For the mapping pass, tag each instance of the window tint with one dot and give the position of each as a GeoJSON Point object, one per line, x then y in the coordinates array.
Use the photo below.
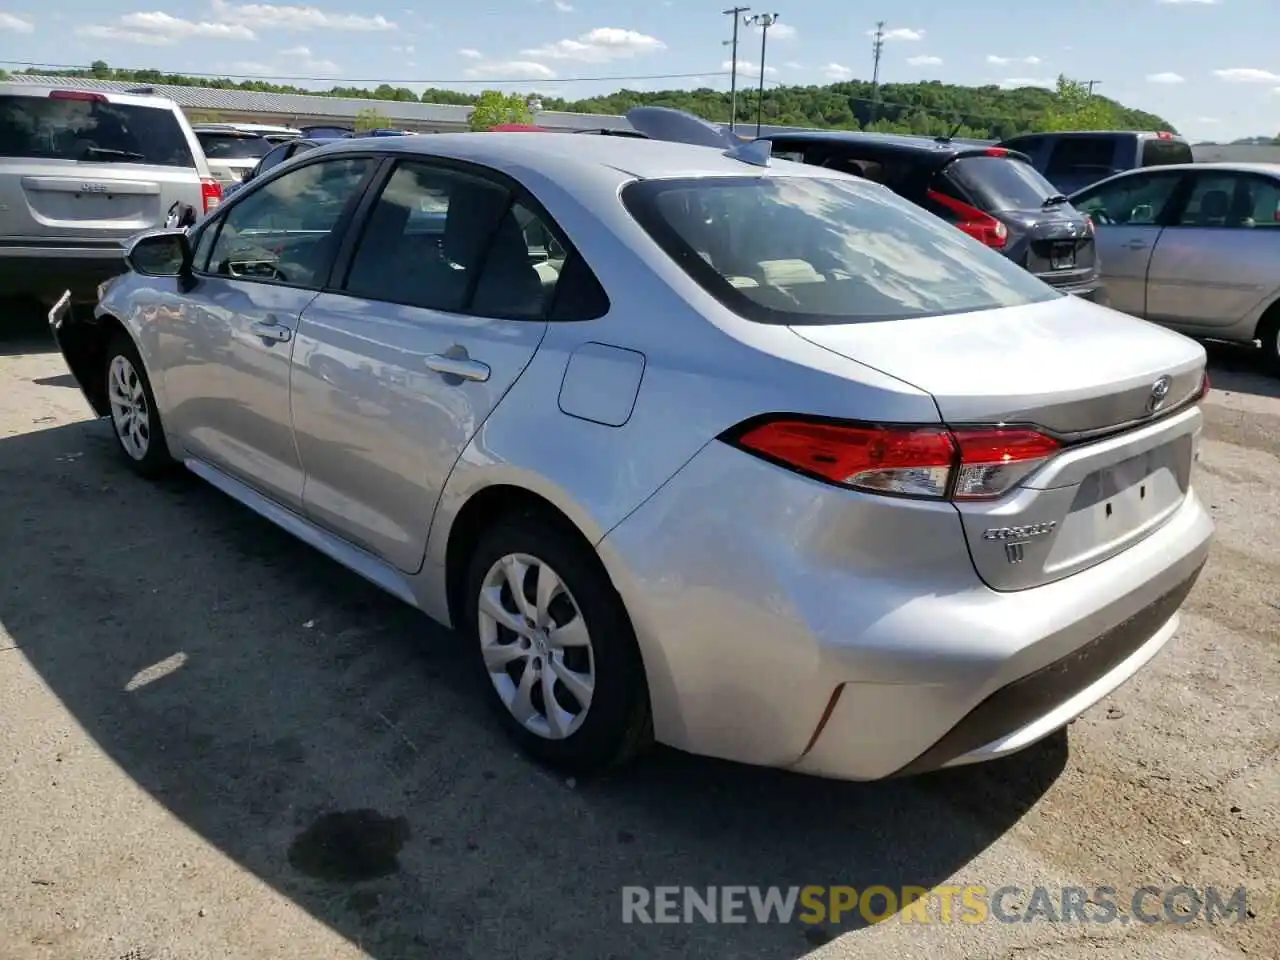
{"type": "Point", "coordinates": [1231, 200]}
{"type": "Point", "coordinates": [1157, 152]}
{"type": "Point", "coordinates": [203, 247]}
{"type": "Point", "coordinates": [233, 146]}
{"type": "Point", "coordinates": [1028, 145]}
{"type": "Point", "coordinates": [999, 183]}
{"type": "Point", "coordinates": [799, 250]}
{"type": "Point", "coordinates": [91, 130]}
{"type": "Point", "coordinates": [1137, 200]}
{"type": "Point", "coordinates": [286, 231]}
{"type": "Point", "coordinates": [276, 157]}
{"type": "Point", "coordinates": [1092, 155]}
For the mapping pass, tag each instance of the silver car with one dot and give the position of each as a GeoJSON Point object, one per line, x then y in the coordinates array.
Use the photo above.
{"type": "Point", "coordinates": [1194, 247]}
{"type": "Point", "coordinates": [750, 457]}
{"type": "Point", "coordinates": [82, 171]}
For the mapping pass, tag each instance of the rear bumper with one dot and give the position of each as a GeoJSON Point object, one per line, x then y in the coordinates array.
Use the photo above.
{"type": "Point", "coordinates": [788, 625]}
{"type": "Point", "coordinates": [44, 271]}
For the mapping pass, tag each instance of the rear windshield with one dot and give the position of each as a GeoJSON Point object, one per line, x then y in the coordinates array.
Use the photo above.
{"type": "Point", "coordinates": [808, 250]}
{"type": "Point", "coordinates": [1159, 153]}
{"type": "Point", "coordinates": [91, 130]}
{"type": "Point", "coordinates": [1001, 183]}
{"type": "Point", "coordinates": [233, 146]}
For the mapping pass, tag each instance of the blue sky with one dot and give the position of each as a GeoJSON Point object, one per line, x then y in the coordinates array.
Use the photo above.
{"type": "Point", "coordinates": [1209, 66]}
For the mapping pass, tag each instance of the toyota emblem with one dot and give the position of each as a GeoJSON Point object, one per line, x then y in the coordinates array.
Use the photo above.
{"type": "Point", "coordinates": [1159, 393]}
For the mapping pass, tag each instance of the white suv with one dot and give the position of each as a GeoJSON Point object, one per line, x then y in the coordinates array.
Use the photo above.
{"type": "Point", "coordinates": [234, 149]}
{"type": "Point", "coordinates": [82, 171]}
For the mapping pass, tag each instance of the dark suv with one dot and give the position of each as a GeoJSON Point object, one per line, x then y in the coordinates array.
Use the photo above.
{"type": "Point", "coordinates": [991, 193]}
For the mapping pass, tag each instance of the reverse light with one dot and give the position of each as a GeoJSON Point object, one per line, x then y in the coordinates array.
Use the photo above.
{"type": "Point", "coordinates": [924, 462]}
{"type": "Point", "coordinates": [976, 223]}
{"type": "Point", "coordinates": [210, 193]}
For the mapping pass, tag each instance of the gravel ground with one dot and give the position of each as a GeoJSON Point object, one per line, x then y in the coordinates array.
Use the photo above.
{"type": "Point", "coordinates": [216, 744]}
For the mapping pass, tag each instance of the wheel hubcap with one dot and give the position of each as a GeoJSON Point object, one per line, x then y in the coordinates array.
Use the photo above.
{"type": "Point", "coordinates": [129, 411]}
{"type": "Point", "coordinates": [536, 646]}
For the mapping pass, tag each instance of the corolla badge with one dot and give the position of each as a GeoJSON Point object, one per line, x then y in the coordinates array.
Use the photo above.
{"type": "Point", "coordinates": [1159, 393]}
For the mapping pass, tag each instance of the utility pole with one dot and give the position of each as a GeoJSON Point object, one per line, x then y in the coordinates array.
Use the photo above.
{"type": "Point", "coordinates": [733, 66]}
{"type": "Point", "coordinates": [1091, 84]}
{"type": "Point", "coordinates": [764, 21]}
{"type": "Point", "coordinates": [877, 48]}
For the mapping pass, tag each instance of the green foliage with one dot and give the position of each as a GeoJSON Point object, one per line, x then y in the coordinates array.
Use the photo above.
{"type": "Point", "coordinates": [932, 108]}
{"type": "Point", "coordinates": [371, 118]}
{"type": "Point", "coordinates": [493, 107]}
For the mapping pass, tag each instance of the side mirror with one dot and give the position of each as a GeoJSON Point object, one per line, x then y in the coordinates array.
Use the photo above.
{"type": "Point", "coordinates": [160, 253]}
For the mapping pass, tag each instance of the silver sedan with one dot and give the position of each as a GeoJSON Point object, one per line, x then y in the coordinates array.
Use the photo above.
{"type": "Point", "coordinates": [749, 457]}
{"type": "Point", "coordinates": [1194, 247]}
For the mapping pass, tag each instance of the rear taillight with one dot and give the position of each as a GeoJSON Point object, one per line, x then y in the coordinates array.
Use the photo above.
{"type": "Point", "coordinates": [976, 223]}
{"type": "Point", "coordinates": [210, 193]}
{"type": "Point", "coordinates": [77, 95]}
{"type": "Point", "coordinates": [916, 461]}
{"type": "Point", "coordinates": [1204, 387]}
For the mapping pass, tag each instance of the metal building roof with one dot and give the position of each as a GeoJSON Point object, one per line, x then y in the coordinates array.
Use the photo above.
{"type": "Point", "coordinates": [303, 105]}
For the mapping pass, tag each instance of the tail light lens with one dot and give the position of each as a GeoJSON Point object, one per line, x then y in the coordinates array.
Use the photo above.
{"type": "Point", "coordinates": [976, 223]}
{"type": "Point", "coordinates": [210, 193]}
{"type": "Point", "coordinates": [926, 462]}
{"type": "Point", "coordinates": [85, 95]}
{"type": "Point", "coordinates": [1204, 387]}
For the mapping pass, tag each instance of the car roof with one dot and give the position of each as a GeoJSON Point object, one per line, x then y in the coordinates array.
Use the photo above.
{"type": "Point", "coordinates": [933, 146]}
{"type": "Point", "coordinates": [1163, 135]}
{"type": "Point", "coordinates": [553, 154]}
{"type": "Point", "coordinates": [111, 96]}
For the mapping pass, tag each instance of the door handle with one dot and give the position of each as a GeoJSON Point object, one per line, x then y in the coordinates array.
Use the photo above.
{"type": "Point", "coordinates": [272, 330]}
{"type": "Point", "coordinates": [460, 367]}
{"type": "Point", "coordinates": [1137, 245]}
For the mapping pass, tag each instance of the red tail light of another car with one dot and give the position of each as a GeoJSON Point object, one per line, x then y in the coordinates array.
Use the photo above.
{"type": "Point", "coordinates": [210, 193]}
{"type": "Point", "coordinates": [976, 223]}
{"type": "Point", "coordinates": [928, 462]}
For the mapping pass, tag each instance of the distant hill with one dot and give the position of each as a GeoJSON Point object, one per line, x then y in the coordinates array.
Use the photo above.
{"type": "Point", "coordinates": [931, 108]}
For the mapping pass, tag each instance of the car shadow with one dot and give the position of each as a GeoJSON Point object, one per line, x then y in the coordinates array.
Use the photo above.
{"type": "Point", "coordinates": [1237, 368]}
{"type": "Point", "coordinates": [337, 745]}
{"type": "Point", "coordinates": [25, 330]}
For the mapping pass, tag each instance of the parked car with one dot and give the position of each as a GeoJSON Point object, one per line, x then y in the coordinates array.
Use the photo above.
{"type": "Point", "coordinates": [992, 194]}
{"type": "Point", "coordinates": [81, 172]}
{"type": "Point", "coordinates": [278, 155]}
{"type": "Point", "coordinates": [1194, 247]}
{"type": "Point", "coordinates": [231, 151]}
{"type": "Point", "coordinates": [1073, 160]}
{"type": "Point", "coordinates": [326, 131]}
{"type": "Point", "coordinates": [750, 456]}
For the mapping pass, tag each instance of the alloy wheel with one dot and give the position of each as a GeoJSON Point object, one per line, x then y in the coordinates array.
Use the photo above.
{"type": "Point", "coordinates": [536, 646]}
{"type": "Point", "coordinates": [130, 413]}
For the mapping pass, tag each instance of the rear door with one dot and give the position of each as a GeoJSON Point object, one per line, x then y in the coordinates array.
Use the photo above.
{"type": "Point", "coordinates": [1216, 262]}
{"type": "Point", "coordinates": [1128, 214]}
{"type": "Point", "coordinates": [77, 167]}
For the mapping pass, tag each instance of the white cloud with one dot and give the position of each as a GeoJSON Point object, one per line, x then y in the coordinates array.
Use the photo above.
{"type": "Point", "coordinates": [836, 71]}
{"type": "Point", "coordinates": [900, 33]}
{"type": "Point", "coordinates": [16, 24]}
{"type": "Point", "coordinates": [779, 31]}
{"type": "Point", "coordinates": [564, 7]}
{"type": "Point", "coordinates": [1166, 76]}
{"type": "Point", "coordinates": [599, 46]}
{"type": "Point", "coordinates": [1015, 82]}
{"type": "Point", "coordinates": [266, 16]}
{"type": "Point", "coordinates": [288, 63]}
{"type": "Point", "coordinates": [158, 29]}
{"type": "Point", "coordinates": [1247, 75]}
{"type": "Point", "coordinates": [793, 65]}
{"type": "Point", "coordinates": [510, 70]}
{"type": "Point", "coordinates": [746, 66]}
{"type": "Point", "coordinates": [1203, 3]}
{"type": "Point", "coordinates": [925, 61]}
{"type": "Point", "coordinates": [1005, 61]}
{"type": "Point", "coordinates": [470, 54]}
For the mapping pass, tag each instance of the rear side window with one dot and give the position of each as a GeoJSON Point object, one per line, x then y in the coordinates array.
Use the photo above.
{"type": "Point", "coordinates": [1001, 183]}
{"type": "Point", "coordinates": [1160, 152]}
{"type": "Point", "coordinates": [802, 250]}
{"type": "Point", "coordinates": [91, 130]}
{"type": "Point", "coordinates": [1084, 155]}
{"type": "Point", "coordinates": [230, 146]}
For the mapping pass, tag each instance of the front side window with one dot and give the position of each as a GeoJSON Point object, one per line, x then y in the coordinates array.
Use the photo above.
{"type": "Point", "coordinates": [89, 129]}
{"type": "Point", "coordinates": [287, 230]}
{"type": "Point", "coordinates": [1137, 201]}
{"type": "Point", "coordinates": [801, 250]}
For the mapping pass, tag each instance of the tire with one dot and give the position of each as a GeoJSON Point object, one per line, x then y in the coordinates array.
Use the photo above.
{"type": "Point", "coordinates": [616, 724]}
{"type": "Point", "coordinates": [135, 421]}
{"type": "Point", "coordinates": [1269, 334]}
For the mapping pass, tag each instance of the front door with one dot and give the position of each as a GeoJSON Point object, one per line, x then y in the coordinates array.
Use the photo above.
{"type": "Point", "coordinates": [1128, 214]}
{"type": "Point", "coordinates": [442, 308]}
{"type": "Point", "coordinates": [227, 356]}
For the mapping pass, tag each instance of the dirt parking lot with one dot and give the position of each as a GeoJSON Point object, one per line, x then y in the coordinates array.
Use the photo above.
{"type": "Point", "coordinates": [216, 744]}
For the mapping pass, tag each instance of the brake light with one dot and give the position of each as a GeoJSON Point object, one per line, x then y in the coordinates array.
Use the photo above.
{"type": "Point", "coordinates": [1204, 387]}
{"type": "Point", "coordinates": [997, 152]}
{"type": "Point", "coordinates": [1164, 135]}
{"type": "Point", "coordinates": [210, 193]}
{"type": "Point", "coordinates": [1088, 225]}
{"type": "Point", "coordinates": [976, 223]}
{"type": "Point", "coordinates": [77, 95]}
{"type": "Point", "coordinates": [925, 462]}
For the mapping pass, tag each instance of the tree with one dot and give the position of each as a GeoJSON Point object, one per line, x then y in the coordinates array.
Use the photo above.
{"type": "Point", "coordinates": [100, 70]}
{"type": "Point", "coordinates": [1076, 108]}
{"type": "Point", "coordinates": [494, 108]}
{"type": "Point", "coordinates": [371, 118]}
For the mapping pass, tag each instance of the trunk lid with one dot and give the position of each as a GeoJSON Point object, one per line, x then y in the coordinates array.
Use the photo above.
{"type": "Point", "coordinates": [1078, 371]}
{"type": "Point", "coordinates": [1060, 247]}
